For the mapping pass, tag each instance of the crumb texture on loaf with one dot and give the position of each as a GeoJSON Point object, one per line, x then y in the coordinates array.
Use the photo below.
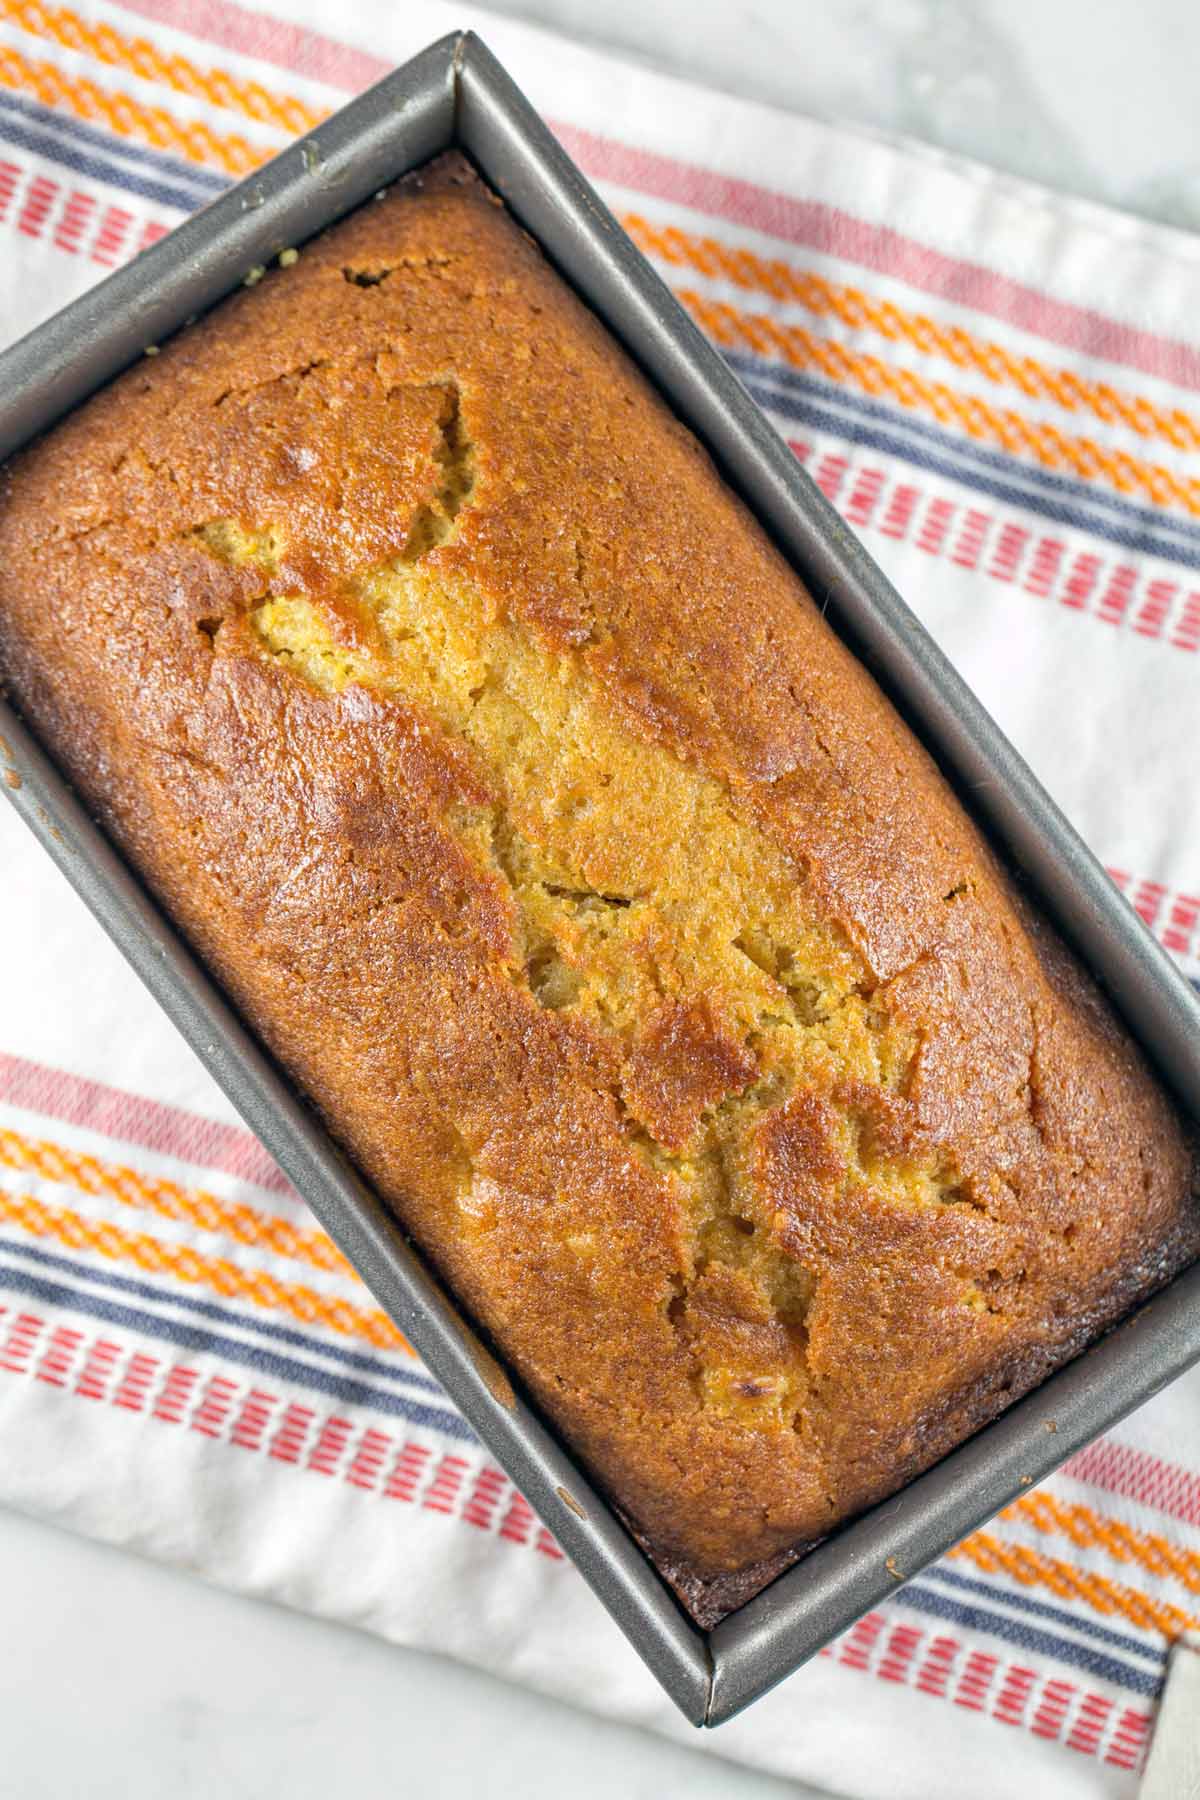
{"type": "Point", "coordinates": [518, 792]}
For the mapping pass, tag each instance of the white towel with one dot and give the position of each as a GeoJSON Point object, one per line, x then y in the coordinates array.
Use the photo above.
{"type": "Point", "coordinates": [999, 388]}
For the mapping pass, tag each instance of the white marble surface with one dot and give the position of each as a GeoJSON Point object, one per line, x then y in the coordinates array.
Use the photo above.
{"type": "Point", "coordinates": [127, 1680]}
{"type": "Point", "coordinates": [1096, 97]}
{"type": "Point", "coordinates": [122, 1680]}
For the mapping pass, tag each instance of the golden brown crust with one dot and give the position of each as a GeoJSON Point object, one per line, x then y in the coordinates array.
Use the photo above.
{"type": "Point", "coordinates": [518, 793]}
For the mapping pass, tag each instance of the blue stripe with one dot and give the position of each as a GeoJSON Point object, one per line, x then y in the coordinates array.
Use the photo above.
{"type": "Point", "coordinates": [1029, 1638]}
{"type": "Point", "coordinates": [1145, 542]}
{"type": "Point", "coordinates": [915, 1595]}
{"type": "Point", "coordinates": [96, 168]}
{"type": "Point", "coordinates": [1119, 1640]}
{"type": "Point", "coordinates": [777, 375]}
{"type": "Point", "coordinates": [802, 399]}
{"type": "Point", "coordinates": [281, 1368]}
{"type": "Point", "coordinates": [207, 1309]}
{"type": "Point", "coordinates": [207, 181]}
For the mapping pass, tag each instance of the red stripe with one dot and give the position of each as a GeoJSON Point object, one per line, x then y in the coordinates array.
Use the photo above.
{"type": "Point", "coordinates": [989, 1685]}
{"type": "Point", "coordinates": [1081, 580]}
{"type": "Point", "coordinates": [172, 1403]}
{"type": "Point", "coordinates": [1119, 1469]}
{"type": "Point", "coordinates": [1044, 567]}
{"type": "Point", "coordinates": [409, 1470]}
{"type": "Point", "coordinates": [1129, 1738]}
{"type": "Point", "coordinates": [447, 1480]}
{"type": "Point", "coordinates": [830, 473]}
{"type": "Point", "coordinates": [933, 1674]}
{"type": "Point", "coordinates": [517, 1521]}
{"type": "Point", "coordinates": [1163, 613]}
{"type": "Point", "coordinates": [1187, 633]}
{"type": "Point", "coordinates": [364, 1470]}
{"type": "Point", "coordinates": [900, 511]}
{"type": "Point", "coordinates": [210, 1417]}
{"type": "Point", "coordinates": [969, 546]}
{"type": "Point", "coordinates": [288, 1441]}
{"type": "Point", "coordinates": [252, 1420]}
{"type": "Point", "coordinates": [1005, 550]}
{"type": "Point", "coordinates": [249, 33]}
{"type": "Point", "coordinates": [55, 1365]}
{"type": "Point", "coordinates": [1013, 1698]}
{"type": "Point", "coordinates": [133, 1119]}
{"type": "Point", "coordinates": [898, 1652]}
{"type": "Point", "coordinates": [859, 1642]}
{"type": "Point", "coordinates": [936, 524]}
{"type": "Point", "coordinates": [826, 229]}
{"type": "Point", "coordinates": [135, 1383]}
{"type": "Point", "coordinates": [1009, 550]}
{"type": "Point", "coordinates": [40, 197]}
{"type": "Point", "coordinates": [97, 1370]}
{"type": "Point", "coordinates": [23, 1333]}
{"type": "Point", "coordinates": [10, 176]}
{"type": "Point", "coordinates": [484, 1497]}
{"type": "Point", "coordinates": [878, 1644]}
{"type": "Point", "coordinates": [109, 247]}
{"type": "Point", "coordinates": [976, 1679]}
{"type": "Point", "coordinates": [228, 1411]}
{"type": "Point", "coordinates": [77, 214]}
{"type": "Point", "coordinates": [332, 1439]}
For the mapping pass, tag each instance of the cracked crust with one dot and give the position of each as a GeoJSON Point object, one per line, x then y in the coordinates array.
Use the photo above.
{"type": "Point", "coordinates": [517, 791]}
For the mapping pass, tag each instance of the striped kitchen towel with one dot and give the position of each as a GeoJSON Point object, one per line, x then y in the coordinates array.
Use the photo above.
{"type": "Point", "coordinates": [998, 388]}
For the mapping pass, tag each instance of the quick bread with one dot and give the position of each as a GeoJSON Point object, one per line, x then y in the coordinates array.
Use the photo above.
{"type": "Point", "coordinates": [517, 791]}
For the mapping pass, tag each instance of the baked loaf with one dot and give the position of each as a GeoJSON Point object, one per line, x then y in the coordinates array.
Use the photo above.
{"type": "Point", "coordinates": [517, 791]}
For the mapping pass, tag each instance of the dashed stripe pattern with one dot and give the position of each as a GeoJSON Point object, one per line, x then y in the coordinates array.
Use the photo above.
{"type": "Point", "coordinates": [1147, 1480]}
{"type": "Point", "coordinates": [385, 1464]}
{"type": "Point", "coordinates": [984, 1549]}
{"type": "Point", "coordinates": [729, 326]}
{"type": "Point", "coordinates": [705, 254]}
{"type": "Point", "coordinates": [247, 1416]}
{"type": "Point", "coordinates": [941, 1666]}
{"type": "Point", "coordinates": [1174, 917]}
{"type": "Point", "coordinates": [872, 498]}
{"type": "Point", "coordinates": [390, 1466]}
{"type": "Point", "coordinates": [57, 1163]}
{"type": "Point", "coordinates": [72, 219]}
{"type": "Point", "coordinates": [1005, 549]}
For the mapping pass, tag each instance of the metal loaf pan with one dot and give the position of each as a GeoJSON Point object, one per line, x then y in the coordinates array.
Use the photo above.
{"type": "Point", "coordinates": [455, 93]}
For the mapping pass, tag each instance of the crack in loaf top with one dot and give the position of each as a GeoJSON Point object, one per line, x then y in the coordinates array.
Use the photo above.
{"type": "Point", "coordinates": [515, 787]}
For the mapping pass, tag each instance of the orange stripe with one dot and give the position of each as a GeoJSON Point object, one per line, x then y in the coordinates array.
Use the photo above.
{"type": "Point", "coordinates": [187, 1264]}
{"type": "Point", "coordinates": [126, 116]}
{"type": "Point", "coordinates": [1085, 1528]}
{"type": "Point", "coordinates": [992, 1555]}
{"type": "Point", "coordinates": [63, 25]}
{"type": "Point", "coordinates": [953, 343]}
{"type": "Point", "coordinates": [1091, 1530]}
{"type": "Point", "coordinates": [707, 255]}
{"type": "Point", "coordinates": [1053, 448]}
{"type": "Point", "coordinates": [246, 1224]}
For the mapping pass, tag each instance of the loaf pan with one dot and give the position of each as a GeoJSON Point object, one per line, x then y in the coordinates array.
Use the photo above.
{"type": "Point", "coordinates": [456, 94]}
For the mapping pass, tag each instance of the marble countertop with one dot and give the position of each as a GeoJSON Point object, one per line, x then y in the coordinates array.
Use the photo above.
{"type": "Point", "coordinates": [1095, 97]}
{"type": "Point", "coordinates": [179, 1689]}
